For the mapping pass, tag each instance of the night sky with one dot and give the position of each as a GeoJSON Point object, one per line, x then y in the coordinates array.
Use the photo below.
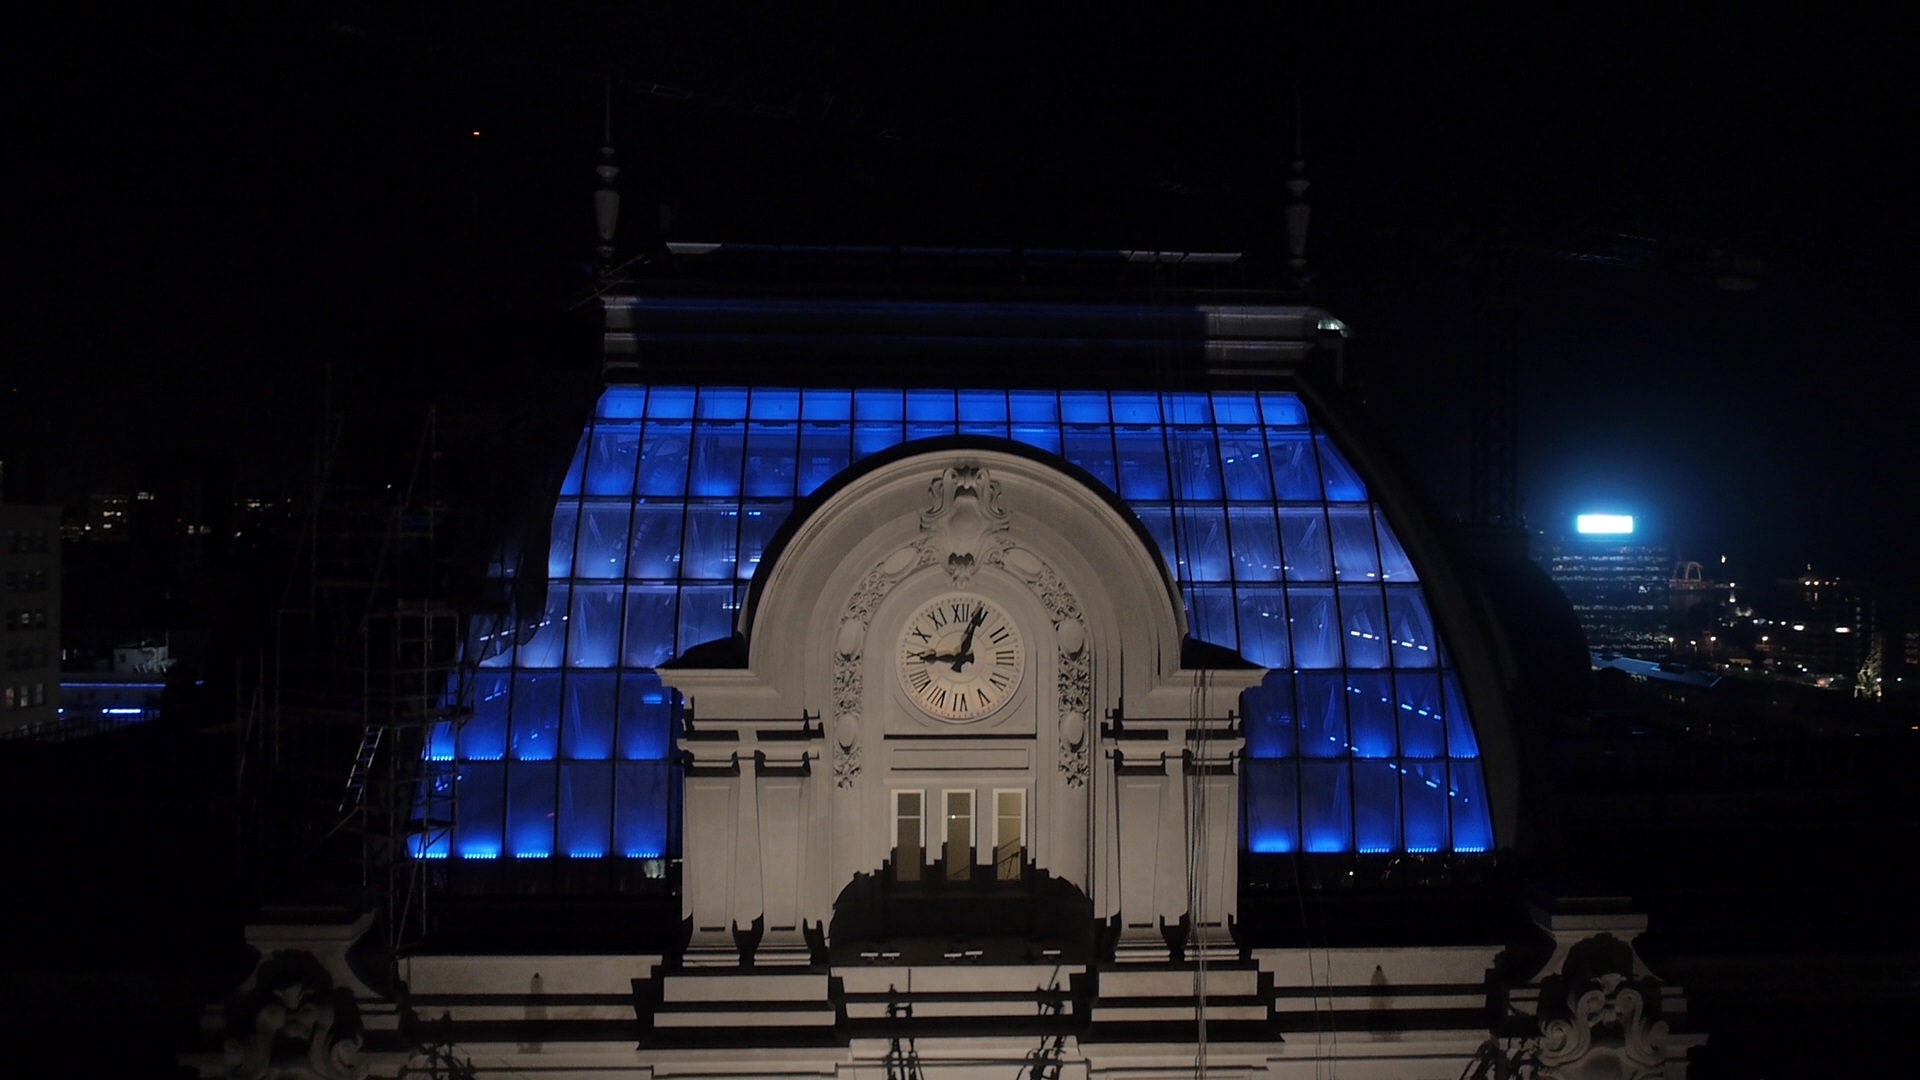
{"type": "Point", "coordinates": [221, 203]}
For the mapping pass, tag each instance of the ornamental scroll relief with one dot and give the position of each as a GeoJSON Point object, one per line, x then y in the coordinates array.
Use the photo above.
{"type": "Point", "coordinates": [963, 529]}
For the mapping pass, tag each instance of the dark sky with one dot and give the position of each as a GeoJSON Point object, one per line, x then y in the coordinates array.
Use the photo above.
{"type": "Point", "coordinates": [222, 203]}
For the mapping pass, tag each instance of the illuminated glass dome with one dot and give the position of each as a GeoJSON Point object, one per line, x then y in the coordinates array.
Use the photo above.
{"type": "Point", "coordinates": [1359, 741]}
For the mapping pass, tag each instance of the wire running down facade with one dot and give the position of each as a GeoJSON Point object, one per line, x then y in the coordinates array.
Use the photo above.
{"type": "Point", "coordinates": [1359, 740]}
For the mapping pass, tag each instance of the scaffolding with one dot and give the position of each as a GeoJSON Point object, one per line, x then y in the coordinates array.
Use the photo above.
{"type": "Point", "coordinates": [340, 799]}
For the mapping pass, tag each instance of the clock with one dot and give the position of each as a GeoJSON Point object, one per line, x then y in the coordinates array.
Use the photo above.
{"type": "Point", "coordinates": [960, 658]}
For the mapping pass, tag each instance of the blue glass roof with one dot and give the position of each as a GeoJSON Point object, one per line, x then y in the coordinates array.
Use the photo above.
{"type": "Point", "coordinates": [1359, 741]}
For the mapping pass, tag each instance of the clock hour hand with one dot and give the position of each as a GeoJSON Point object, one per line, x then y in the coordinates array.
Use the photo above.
{"type": "Point", "coordinates": [957, 658]}
{"type": "Point", "coordinates": [965, 653]}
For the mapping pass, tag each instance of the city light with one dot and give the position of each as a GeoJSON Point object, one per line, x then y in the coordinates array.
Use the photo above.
{"type": "Point", "coordinates": [1603, 524]}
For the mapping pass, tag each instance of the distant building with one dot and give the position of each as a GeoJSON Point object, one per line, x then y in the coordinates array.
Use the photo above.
{"type": "Point", "coordinates": [30, 561]}
{"type": "Point", "coordinates": [1617, 581]}
{"type": "Point", "coordinates": [1824, 629]}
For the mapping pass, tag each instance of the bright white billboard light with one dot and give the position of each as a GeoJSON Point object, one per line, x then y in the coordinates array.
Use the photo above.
{"type": "Point", "coordinates": [1604, 524]}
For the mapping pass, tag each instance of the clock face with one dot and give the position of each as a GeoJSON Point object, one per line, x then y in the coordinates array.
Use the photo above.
{"type": "Point", "coordinates": [960, 657]}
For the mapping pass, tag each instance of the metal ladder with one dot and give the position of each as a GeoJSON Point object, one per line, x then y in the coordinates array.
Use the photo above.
{"type": "Point", "coordinates": [362, 766]}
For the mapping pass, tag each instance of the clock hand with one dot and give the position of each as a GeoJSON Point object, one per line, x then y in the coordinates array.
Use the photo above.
{"type": "Point", "coordinates": [966, 641]}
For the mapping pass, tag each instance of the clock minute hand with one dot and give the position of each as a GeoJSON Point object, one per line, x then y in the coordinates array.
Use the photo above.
{"type": "Point", "coordinates": [965, 652]}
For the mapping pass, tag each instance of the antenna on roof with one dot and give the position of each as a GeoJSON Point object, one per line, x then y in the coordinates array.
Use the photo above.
{"type": "Point", "coordinates": [606, 199]}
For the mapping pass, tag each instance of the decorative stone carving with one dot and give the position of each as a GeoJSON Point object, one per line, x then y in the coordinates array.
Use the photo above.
{"type": "Point", "coordinates": [1598, 1020]}
{"type": "Point", "coordinates": [1075, 668]}
{"type": "Point", "coordinates": [292, 1023]}
{"type": "Point", "coordinates": [958, 528]}
{"type": "Point", "coordinates": [849, 643]}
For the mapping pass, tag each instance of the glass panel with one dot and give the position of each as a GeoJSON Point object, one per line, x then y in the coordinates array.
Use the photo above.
{"type": "Point", "coordinates": [716, 459]}
{"type": "Point", "coordinates": [908, 835]}
{"type": "Point", "coordinates": [621, 403]}
{"type": "Point", "coordinates": [566, 520]}
{"type": "Point", "coordinates": [774, 403]}
{"type": "Point", "coordinates": [593, 626]}
{"type": "Point", "coordinates": [1042, 436]}
{"type": "Point", "coordinates": [1158, 521]}
{"type": "Point", "coordinates": [1281, 409]}
{"type": "Point", "coordinates": [655, 548]}
{"type": "Point", "coordinates": [1035, 406]}
{"type": "Point", "coordinates": [722, 403]}
{"type": "Point", "coordinates": [1423, 794]}
{"type": "Point", "coordinates": [824, 450]}
{"type": "Point", "coordinates": [1295, 474]}
{"type": "Point", "coordinates": [1326, 806]}
{"type": "Point", "coordinates": [1269, 716]}
{"type": "Point", "coordinates": [1472, 825]}
{"type": "Point", "coordinates": [1343, 481]}
{"type": "Point", "coordinates": [646, 718]}
{"type": "Point", "coordinates": [640, 801]}
{"type": "Point", "coordinates": [1363, 620]}
{"type": "Point", "coordinates": [871, 439]}
{"type": "Point", "coordinates": [530, 816]}
{"type": "Point", "coordinates": [650, 624]}
{"type": "Point", "coordinates": [758, 523]}
{"type": "Point", "coordinates": [536, 716]}
{"type": "Point", "coordinates": [1083, 407]}
{"type": "Point", "coordinates": [602, 543]}
{"type": "Point", "coordinates": [956, 854]}
{"type": "Point", "coordinates": [484, 736]}
{"type": "Point", "coordinates": [1134, 407]}
{"type": "Point", "coordinates": [1422, 727]}
{"type": "Point", "coordinates": [1243, 465]}
{"type": "Point", "coordinates": [706, 614]}
{"type": "Point", "coordinates": [576, 471]}
{"type": "Point", "coordinates": [1303, 540]}
{"type": "Point", "coordinates": [1142, 463]}
{"type": "Point", "coordinates": [544, 646]}
{"type": "Point", "coordinates": [1210, 614]}
{"type": "Point", "coordinates": [1323, 715]}
{"type": "Point", "coordinates": [669, 401]}
{"type": "Point", "coordinates": [1009, 836]}
{"type": "Point", "coordinates": [1410, 628]}
{"type": "Point", "coordinates": [1263, 626]}
{"type": "Point", "coordinates": [1354, 556]}
{"type": "Point", "coordinates": [1273, 806]}
{"type": "Point", "coordinates": [586, 717]}
{"type": "Point", "coordinates": [612, 453]}
{"type": "Point", "coordinates": [827, 405]}
{"type": "Point", "coordinates": [1203, 544]}
{"type": "Point", "coordinates": [1394, 564]}
{"type": "Point", "coordinates": [1196, 467]}
{"type": "Point", "coordinates": [1235, 407]}
{"type": "Point", "coordinates": [1187, 408]}
{"type": "Point", "coordinates": [440, 742]}
{"type": "Point", "coordinates": [585, 815]}
{"type": "Point", "coordinates": [1256, 543]}
{"type": "Point", "coordinates": [983, 411]}
{"type": "Point", "coordinates": [879, 405]}
{"type": "Point", "coordinates": [1376, 806]}
{"type": "Point", "coordinates": [1091, 448]}
{"type": "Point", "coordinates": [481, 799]}
{"type": "Point", "coordinates": [713, 533]}
{"type": "Point", "coordinates": [1313, 627]}
{"type": "Point", "coordinates": [1460, 739]}
{"type": "Point", "coordinates": [772, 459]}
{"type": "Point", "coordinates": [663, 464]}
{"type": "Point", "coordinates": [1370, 708]}
{"type": "Point", "coordinates": [931, 406]}
{"type": "Point", "coordinates": [433, 803]}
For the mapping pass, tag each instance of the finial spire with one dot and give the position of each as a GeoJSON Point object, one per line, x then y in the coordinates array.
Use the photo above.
{"type": "Point", "coordinates": [606, 199]}
{"type": "Point", "coordinates": [1298, 211]}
